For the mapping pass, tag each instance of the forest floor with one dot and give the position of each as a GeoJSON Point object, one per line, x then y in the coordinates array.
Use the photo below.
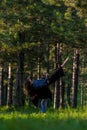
{"type": "Point", "coordinates": [32, 119]}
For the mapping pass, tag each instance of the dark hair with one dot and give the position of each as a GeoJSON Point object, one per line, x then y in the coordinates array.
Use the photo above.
{"type": "Point", "coordinates": [28, 88]}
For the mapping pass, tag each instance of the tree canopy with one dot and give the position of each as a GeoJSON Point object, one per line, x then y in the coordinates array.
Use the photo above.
{"type": "Point", "coordinates": [25, 23]}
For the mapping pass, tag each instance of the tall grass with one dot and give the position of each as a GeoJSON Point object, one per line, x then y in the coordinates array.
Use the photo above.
{"type": "Point", "coordinates": [32, 119]}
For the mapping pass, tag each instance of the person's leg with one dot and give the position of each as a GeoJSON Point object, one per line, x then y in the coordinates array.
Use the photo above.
{"type": "Point", "coordinates": [43, 105]}
{"type": "Point", "coordinates": [55, 76]}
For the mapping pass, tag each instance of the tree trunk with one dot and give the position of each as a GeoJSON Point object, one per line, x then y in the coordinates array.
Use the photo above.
{"type": "Point", "coordinates": [57, 88]}
{"type": "Point", "coordinates": [62, 92]}
{"type": "Point", "coordinates": [9, 87]}
{"type": "Point", "coordinates": [48, 54]}
{"type": "Point", "coordinates": [58, 84]}
{"type": "Point", "coordinates": [1, 87]}
{"type": "Point", "coordinates": [18, 92]}
{"type": "Point", "coordinates": [56, 95]}
{"type": "Point", "coordinates": [82, 96]}
{"type": "Point", "coordinates": [75, 78]}
{"type": "Point", "coordinates": [61, 84]}
{"type": "Point", "coordinates": [69, 90]}
{"type": "Point", "coordinates": [21, 77]}
{"type": "Point", "coordinates": [38, 69]}
{"type": "Point", "coordinates": [16, 96]}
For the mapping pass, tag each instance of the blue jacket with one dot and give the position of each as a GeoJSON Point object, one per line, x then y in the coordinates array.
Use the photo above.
{"type": "Point", "coordinates": [39, 83]}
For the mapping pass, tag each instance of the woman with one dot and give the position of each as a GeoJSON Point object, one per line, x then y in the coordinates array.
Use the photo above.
{"type": "Point", "coordinates": [39, 89]}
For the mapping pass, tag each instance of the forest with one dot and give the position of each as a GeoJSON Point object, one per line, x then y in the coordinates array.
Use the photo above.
{"type": "Point", "coordinates": [36, 36]}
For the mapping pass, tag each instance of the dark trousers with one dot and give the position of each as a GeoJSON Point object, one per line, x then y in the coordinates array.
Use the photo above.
{"type": "Point", "coordinates": [55, 76]}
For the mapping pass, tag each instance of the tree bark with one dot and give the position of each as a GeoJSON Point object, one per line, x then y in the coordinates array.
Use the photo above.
{"type": "Point", "coordinates": [58, 96]}
{"type": "Point", "coordinates": [48, 54]}
{"type": "Point", "coordinates": [38, 69]}
{"type": "Point", "coordinates": [19, 98]}
{"type": "Point", "coordinates": [75, 78]}
{"type": "Point", "coordinates": [69, 79]}
{"type": "Point", "coordinates": [1, 87]}
{"type": "Point", "coordinates": [9, 87]}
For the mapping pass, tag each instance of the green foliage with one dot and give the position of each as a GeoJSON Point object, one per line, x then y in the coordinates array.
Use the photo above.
{"type": "Point", "coordinates": [42, 21]}
{"type": "Point", "coordinates": [28, 118]}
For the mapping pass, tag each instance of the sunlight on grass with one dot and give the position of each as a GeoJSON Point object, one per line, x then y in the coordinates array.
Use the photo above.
{"type": "Point", "coordinates": [31, 119]}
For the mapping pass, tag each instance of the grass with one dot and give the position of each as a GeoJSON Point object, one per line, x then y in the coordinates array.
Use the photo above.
{"type": "Point", "coordinates": [31, 119]}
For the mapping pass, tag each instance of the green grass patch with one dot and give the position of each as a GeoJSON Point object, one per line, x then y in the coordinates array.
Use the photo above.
{"type": "Point", "coordinates": [32, 119]}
